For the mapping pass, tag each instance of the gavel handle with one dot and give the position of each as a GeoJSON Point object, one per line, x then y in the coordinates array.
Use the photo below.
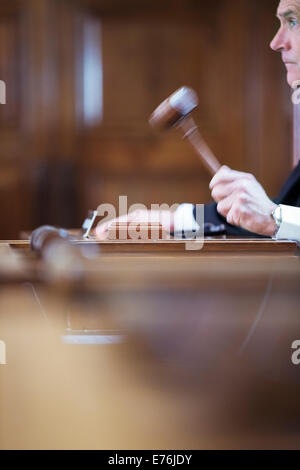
{"type": "Point", "coordinates": [191, 132]}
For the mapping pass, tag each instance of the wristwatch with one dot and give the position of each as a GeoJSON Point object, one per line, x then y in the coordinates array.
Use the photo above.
{"type": "Point", "coordinates": [277, 216]}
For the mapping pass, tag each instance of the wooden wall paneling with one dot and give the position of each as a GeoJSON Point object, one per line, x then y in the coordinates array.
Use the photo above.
{"type": "Point", "coordinates": [14, 194]}
{"type": "Point", "coordinates": [144, 60]}
{"type": "Point", "coordinates": [148, 50]}
{"type": "Point", "coordinates": [50, 77]}
{"type": "Point", "coordinates": [67, 91]}
{"type": "Point", "coordinates": [38, 131]}
{"type": "Point", "coordinates": [39, 76]}
{"type": "Point", "coordinates": [51, 99]}
{"type": "Point", "coordinates": [10, 70]}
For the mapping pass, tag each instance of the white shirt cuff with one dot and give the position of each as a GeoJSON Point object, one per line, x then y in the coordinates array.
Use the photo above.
{"type": "Point", "coordinates": [184, 219]}
{"type": "Point", "coordinates": [290, 226]}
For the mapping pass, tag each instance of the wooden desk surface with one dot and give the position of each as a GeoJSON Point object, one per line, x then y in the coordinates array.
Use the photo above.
{"type": "Point", "coordinates": [186, 316]}
{"type": "Point", "coordinates": [218, 245]}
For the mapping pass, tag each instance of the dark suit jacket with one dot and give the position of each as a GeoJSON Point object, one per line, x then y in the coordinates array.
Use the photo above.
{"type": "Point", "coordinates": [289, 195]}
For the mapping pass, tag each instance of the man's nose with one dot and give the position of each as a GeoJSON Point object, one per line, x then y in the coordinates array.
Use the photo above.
{"type": "Point", "coordinates": [280, 41]}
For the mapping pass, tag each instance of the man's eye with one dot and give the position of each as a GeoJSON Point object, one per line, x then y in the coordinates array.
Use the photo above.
{"type": "Point", "coordinates": [292, 22]}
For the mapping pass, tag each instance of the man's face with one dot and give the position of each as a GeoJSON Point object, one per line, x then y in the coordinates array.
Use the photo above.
{"type": "Point", "coordinates": [287, 39]}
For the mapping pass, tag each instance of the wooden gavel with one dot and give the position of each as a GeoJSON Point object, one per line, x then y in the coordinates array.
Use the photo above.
{"type": "Point", "coordinates": [175, 111]}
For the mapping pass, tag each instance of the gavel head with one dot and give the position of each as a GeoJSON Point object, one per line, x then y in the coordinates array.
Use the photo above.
{"type": "Point", "coordinates": [173, 109]}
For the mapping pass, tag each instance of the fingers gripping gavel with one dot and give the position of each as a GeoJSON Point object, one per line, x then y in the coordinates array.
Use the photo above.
{"type": "Point", "coordinates": [175, 111]}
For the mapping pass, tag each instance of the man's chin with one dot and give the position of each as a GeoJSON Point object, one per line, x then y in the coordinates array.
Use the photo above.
{"type": "Point", "coordinates": [293, 79]}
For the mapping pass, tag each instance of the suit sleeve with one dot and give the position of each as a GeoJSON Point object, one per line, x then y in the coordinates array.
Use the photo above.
{"type": "Point", "coordinates": [185, 220]}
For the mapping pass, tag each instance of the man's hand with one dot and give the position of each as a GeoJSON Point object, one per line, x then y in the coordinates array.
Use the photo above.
{"type": "Point", "coordinates": [165, 218]}
{"type": "Point", "coordinates": [243, 201]}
